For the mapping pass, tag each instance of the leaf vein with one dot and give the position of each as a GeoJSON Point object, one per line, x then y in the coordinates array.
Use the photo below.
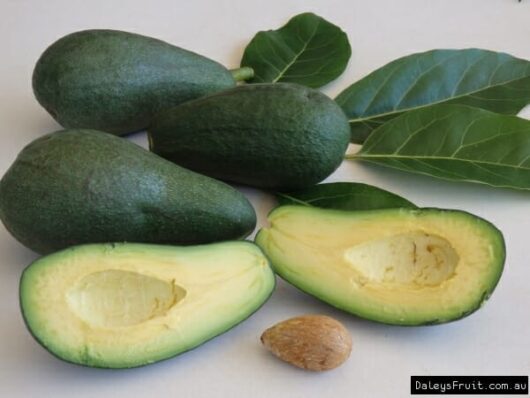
{"type": "Point", "coordinates": [282, 72]}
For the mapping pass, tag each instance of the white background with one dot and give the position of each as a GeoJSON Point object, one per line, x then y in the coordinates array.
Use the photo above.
{"type": "Point", "coordinates": [492, 341]}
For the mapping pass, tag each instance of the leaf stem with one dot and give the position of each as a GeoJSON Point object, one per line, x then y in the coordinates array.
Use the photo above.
{"type": "Point", "coordinates": [243, 73]}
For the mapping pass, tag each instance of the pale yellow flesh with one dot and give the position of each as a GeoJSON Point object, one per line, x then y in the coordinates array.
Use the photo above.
{"type": "Point", "coordinates": [115, 298]}
{"type": "Point", "coordinates": [134, 304]}
{"type": "Point", "coordinates": [397, 266]}
{"type": "Point", "coordinates": [413, 258]}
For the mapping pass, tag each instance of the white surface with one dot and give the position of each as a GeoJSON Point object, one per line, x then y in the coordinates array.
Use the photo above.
{"type": "Point", "coordinates": [492, 341]}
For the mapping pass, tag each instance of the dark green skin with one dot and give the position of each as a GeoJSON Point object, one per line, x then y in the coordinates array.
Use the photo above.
{"type": "Point", "coordinates": [275, 136]}
{"type": "Point", "coordinates": [83, 186]}
{"type": "Point", "coordinates": [116, 81]}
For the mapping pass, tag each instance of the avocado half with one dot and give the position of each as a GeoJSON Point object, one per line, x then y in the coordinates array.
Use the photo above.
{"type": "Point", "coordinates": [395, 266]}
{"type": "Point", "coordinates": [127, 305]}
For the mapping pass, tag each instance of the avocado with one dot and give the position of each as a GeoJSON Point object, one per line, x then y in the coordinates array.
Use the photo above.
{"type": "Point", "coordinates": [396, 266]}
{"type": "Point", "coordinates": [83, 186]}
{"type": "Point", "coordinates": [127, 305]}
{"type": "Point", "coordinates": [116, 81]}
{"type": "Point", "coordinates": [273, 136]}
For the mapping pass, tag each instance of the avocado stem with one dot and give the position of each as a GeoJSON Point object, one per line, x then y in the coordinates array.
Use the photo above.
{"type": "Point", "coordinates": [243, 73]}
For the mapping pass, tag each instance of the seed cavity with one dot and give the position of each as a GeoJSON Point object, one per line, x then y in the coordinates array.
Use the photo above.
{"type": "Point", "coordinates": [413, 258]}
{"type": "Point", "coordinates": [116, 298]}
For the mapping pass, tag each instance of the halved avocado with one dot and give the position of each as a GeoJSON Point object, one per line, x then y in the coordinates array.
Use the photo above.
{"type": "Point", "coordinates": [396, 266]}
{"type": "Point", "coordinates": [127, 305]}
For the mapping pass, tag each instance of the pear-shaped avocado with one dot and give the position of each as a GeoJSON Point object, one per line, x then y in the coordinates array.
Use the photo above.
{"type": "Point", "coordinates": [116, 81]}
{"type": "Point", "coordinates": [85, 186]}
{"type": "Point", "coordinates": [274, 136]}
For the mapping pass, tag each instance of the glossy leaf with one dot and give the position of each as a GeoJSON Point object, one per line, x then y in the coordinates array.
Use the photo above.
{"type": "Point", "coordinates": [308, 50]}
{"type": "Point", "coordinates": [344, 196]}
{"type": "Point", "coordinates": [455, 142]}
{"type": "Point", "coordinates": [480, 78]}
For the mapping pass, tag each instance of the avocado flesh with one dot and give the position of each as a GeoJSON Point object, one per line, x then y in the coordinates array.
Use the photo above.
{"type": "Point", "coordinates": [397, 266]}
{"type": "Point", "coordinates": [74, 187]}
{"type": "Point", "coordinates": [127, 305]}
{"type": "Point", "coordinates": [117, 81]}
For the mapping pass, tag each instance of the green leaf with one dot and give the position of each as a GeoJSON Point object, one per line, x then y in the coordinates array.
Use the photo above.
{"type": "Point", "coordinates": [307, 50]}
{"type": "Point", "coordinates": [480, 78]}
{"type": "Point", "coordinates": [344, 196]}
{"type": "Point", "coordinates": [455, 142]}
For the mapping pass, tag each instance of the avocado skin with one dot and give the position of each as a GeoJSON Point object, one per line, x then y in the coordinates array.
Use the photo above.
{"type": "Point", "coordinates": [84, 186]}
{"type": "Point", "coordinates": [272, 136]}
{"type": "Point", "coordinates": [116, 81]}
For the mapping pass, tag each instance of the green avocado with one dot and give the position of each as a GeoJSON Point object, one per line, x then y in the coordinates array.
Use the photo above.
{"type": "Point", "coordinates": [274, 136]}
{"type": "Point", "coordinates": [116, 81]}
{"type": "Point", "coordinates": [83, 186]}
{"type": "Point", "coordinates": [396, 266]}
{"type": "Point", "coordinates": [127, 305]}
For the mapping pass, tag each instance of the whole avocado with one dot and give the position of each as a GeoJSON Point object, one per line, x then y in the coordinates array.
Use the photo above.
{"type": "Point", "coordinates": [84, 186]}
{"type": "Point", "coordinates": [274, 136]}
{"type": "Point", "coordinates": [116, 81]}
